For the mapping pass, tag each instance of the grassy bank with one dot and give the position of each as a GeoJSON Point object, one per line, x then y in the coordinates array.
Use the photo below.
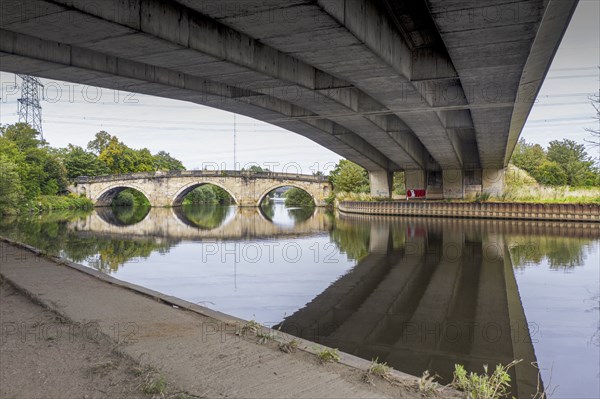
{"type": "Point", "coordinates": [45, 203]}
{"type": "Point", "coordinates": [60, 203]}
{"type": "Point", "coordinates": [521, 187]}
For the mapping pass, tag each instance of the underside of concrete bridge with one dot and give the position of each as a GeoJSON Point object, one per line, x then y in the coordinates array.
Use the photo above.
{"type": "Point", "coordinates": [438, 89]}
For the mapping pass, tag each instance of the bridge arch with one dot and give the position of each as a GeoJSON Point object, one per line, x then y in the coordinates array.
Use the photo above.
{"type": "Point", "coordinates": [188, 188]}
{"type": "Point", "coordinates": [309, 189]}
{"type": "Point", "coordinates": [106, 196]}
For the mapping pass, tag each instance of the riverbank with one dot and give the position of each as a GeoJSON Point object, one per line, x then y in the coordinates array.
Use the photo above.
{"type": "Point", "coordinates": [202, 352]}
{"type": "Point", "coordinates": [477, 210]}
{"type": "Point", "coordinates": [48, 203]}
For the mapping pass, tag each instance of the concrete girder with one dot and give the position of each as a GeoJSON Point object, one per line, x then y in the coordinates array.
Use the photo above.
{"type": "Point", "coordinates": [252, 61]}
{"type": "Point", "coordinates": [502, 51]}
{"type": "Point", "coordinates": [261, 23]}
{"type": "Point", "coordinates": [71, 63]}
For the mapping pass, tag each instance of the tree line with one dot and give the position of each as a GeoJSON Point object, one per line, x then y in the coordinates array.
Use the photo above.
{"type": "Point", "coordinates": [34, 173]}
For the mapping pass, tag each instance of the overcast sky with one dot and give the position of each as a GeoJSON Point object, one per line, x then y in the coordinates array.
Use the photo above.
{"type": "Point", "coordinates": [196, 134]}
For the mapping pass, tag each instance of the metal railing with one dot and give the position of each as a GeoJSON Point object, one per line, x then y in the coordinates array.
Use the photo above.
{"type": "Point", "coordinates": [201, 173]}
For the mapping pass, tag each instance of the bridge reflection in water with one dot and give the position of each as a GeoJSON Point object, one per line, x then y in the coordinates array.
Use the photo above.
{"type": "Point", "coordinates": [212, 222]}
{"type": "Point", "coordinates": [424, 294]}
{"type": "Point", "coordinates": [447, 296]}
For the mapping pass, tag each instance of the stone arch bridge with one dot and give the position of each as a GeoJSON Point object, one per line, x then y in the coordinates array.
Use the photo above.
{"type": "Point", "coordinates": [165, 189]}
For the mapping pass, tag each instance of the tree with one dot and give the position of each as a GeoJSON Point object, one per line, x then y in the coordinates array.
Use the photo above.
{"type": "Point", "coordinates": [399, 186]}
{"type": "Point", "coordinates": [202, 195]}
{"type": "Point", "coordinates": [80, 162]}
{"type": "Point", "coordinates": [101, 141]}
{"type": "Point", "coordinates": [256, 169]}
{"type": "Point", "coordinates": [348, 176]}
{"type": "Point", "coordinates": [573, 159]}
{"type": "Point", "coordinates": [11, 190]}
{"type": "Point", "coordinates": [528, 156]}
{"type": "Point", "coordinates": [551, 173]}
{"type": "Point", "coordinates": [164, 161]}
{"type": "Point", "coordinates": [24, 136]}
{"type": "Point", "coordinates": [595, 133]}
{"type": "Point", "coordinates": [297, 197]}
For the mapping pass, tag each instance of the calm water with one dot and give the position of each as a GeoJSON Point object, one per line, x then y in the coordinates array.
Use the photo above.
{"type": "Point", "coordinates": [417, 293]}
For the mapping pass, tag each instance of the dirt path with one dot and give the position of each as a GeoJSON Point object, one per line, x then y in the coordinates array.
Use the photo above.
{"type": "Point", "coordinates": [197, 350]}
{"type": "Point", "coordinates": [44, 356]}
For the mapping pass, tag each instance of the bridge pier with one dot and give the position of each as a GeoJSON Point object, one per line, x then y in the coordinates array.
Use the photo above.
{"type": "Point", "coordinates": [453, 184]}
{"type": "Point", "coordinates": [381, 183]}
{"type": "Point", "coordinates": [415, 180]}
{"type": "Point", "coordinates": [492, 181]}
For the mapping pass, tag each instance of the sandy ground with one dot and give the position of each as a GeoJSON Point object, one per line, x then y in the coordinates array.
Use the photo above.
{"type": "Point", "coordinates": [196, 351]}
{"type": "Point", "coordinates": [44, 356]}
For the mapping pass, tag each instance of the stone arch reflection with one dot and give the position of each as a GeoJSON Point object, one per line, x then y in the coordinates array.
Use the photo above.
{"type": "Point", "coordinates": [123, 216]}
{"type": "Point", "coordinates": [205, 217]}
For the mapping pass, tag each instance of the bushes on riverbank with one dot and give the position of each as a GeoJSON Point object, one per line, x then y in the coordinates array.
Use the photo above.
{"type": "Point", "coordinates": [521, 187]}
{"type": "Point", "coordinates": [59, 203]}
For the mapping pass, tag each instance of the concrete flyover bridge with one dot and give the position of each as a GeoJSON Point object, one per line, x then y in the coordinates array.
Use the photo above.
{"type": "Point", "coordinates": [165, 189]}
{"type": "Point", "coordinates": [438, 89]}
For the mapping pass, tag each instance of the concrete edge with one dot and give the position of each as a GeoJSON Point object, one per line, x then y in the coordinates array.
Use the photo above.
{"type": "Point", "coordinates": [346, 359]}
{"type": "Point", "coordinates": [438, 214]}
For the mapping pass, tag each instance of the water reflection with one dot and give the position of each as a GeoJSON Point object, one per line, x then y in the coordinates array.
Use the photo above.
{"type": "Point", "coordinates": [204, 216]}
{"type": "Point", "coordinates": [417, 293]}
{"type": "Point", "coordinates": [123, 215]}
{"type": "Point", "coordinates": [445, 296]}
{"type": "Point", "coordinates": [281, 215]}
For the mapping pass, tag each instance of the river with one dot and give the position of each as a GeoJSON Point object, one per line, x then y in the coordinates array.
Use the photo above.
{"type": "Point", "coordinates": [417, 293]}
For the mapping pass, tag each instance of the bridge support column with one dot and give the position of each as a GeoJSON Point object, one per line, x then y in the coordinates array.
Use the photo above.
{"type": "Point", "coordinates": [381, 183]}
{"type": "Point", "coordinates": [415, 180]}
{"type": "Point", "coordinates": [492, 181]}
{"type": "Point", "coordinates": [452, 182]}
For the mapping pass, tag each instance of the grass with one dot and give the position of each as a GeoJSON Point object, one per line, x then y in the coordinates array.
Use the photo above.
{"type": "Point", "coordinates": [483, 386]}
{"type": "Point", "coordinates": [521, 187]}
{"type": "Point", "coordinates": [289, 346]}
{"type": "Point", "coordinates": [427, 383]}
{"type": "Point", "coordinates": [155, 386]}
{"type": "Point", "coordinates": [327, 355]}
{"type": "Point", "coordinates": [252, 326]}
{"type": "Point", "coordinates": [60, 202]}
{"type": "Point", "coordinates": [379, 369]}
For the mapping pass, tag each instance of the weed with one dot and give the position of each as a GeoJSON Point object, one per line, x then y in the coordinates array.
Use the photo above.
{"type": "Point", "coordinates": [482, 197]}
{"type": "Point", "coordinates": [427, 383]}
{"type": "Point", "coordinates": [155, 386]}
{"type": "Point", "coordinates": [264, 338]}
{"type": "Point", "coordinates": [483, 386]}
{"type": "Point", "coordinates": [289, 347]}
{"type": "Point", "coordinates": [328, 355]}
{"type": "Point", "coordinates": [379, 369]}
{"type": "Point", "coordinates": [252, 326]}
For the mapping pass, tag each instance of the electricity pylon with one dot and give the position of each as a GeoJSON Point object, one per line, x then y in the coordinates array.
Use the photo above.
{"type": "Point", "coordinates": [28, 107]}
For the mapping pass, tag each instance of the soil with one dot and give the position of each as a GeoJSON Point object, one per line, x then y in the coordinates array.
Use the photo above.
{"type": "Point", "coordinates": [39, 348]}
